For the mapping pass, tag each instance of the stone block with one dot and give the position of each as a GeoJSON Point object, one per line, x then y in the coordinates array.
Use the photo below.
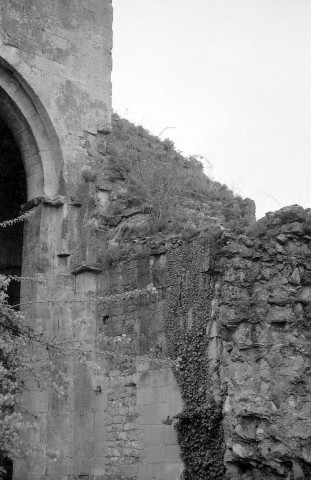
{"type": "Point", "coordinates": [82, 376]}
{"type": "Point", "coordinates": [129, 471]}
{"type": "Point", "coordinates": [159, 435]}
{"type": "Point", "coordinates": [162, 454]}
{"type": "Point", "coordinates": [86, 282]}
{"type": "Point", "coordinates": [83, 442]}
{"type": "Point", "coordinates": [159, 471]}
{"type": "Point", "coordinates": [168, 435]}
{"type": "Point", "coordinates": [176, 404]}
{"type": "Point", "coordinates": [66, 406]}
{"type": "Point", "coordinates": [100, 417]}
{"type": "Point", "coordinates": [100, 402]}
{"type": "Point", "coordinates": [154, 378]}
{"type": "Point", "coordinates": [29, 476]}
{"type": "Point", "coordinates": [83, 419]}
{"type": "Point", "coordinates": [100, 449]}
{"type": "Point", "coordinates": [151, 434]}
{"type": "Point", "coordinates": [153, 414]}
{"type": "Point", "coordinates": [149, 471]}
{"type": "Point", "coordinates": [99, 465]}
{"type": "Point", "coordinates": [37, 401]}
{"type": "Point", "coordinates": [160, 394]}
{"type": "Point", "coordinates": [61, 467]}
{"type": "Point", "coordinates": [21, 469]}
{"type": "Point", "coordinates": [82, 465]}
{"type": "Point", "coordinates": [280, 315]}
{"type": "Point", "coordinates": [56, 419]}
{"type": "Point", "coordinates": [145, 395]}
{"type": "Point", "coordinates": [83, 400]}
{"type": "Point", "coordinates": [100, 433]}
{"type": "Point", "coordinates": [60, 439]}
{"type": "Point", "coordinates": [173, 471]}
{"type": "Point", "coordinates": [83, 446]}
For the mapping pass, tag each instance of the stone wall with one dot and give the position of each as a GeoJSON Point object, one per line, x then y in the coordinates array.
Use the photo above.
{"type": "Point", "coordinates": [263, 310]}
{"type": "Point", "coordinates": [55, 98]}
{"type": "Point", "coordinates": [233, 310]}
{"type": "Point", "coordinates": [60, 53]}
{"type": "Point", "coordinates": [141, 388]}
{"type": "Point", "coordinates": [211, 334]}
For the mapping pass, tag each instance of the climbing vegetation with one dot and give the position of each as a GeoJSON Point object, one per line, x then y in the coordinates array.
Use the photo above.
{"type": "Point", "coordinates": [199, 425]}
{"type": "Point", "coordinates": [29, 361]}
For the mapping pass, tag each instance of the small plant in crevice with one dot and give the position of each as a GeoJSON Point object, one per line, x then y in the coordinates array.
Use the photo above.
{"type": "Point", "coordinates": [112, 254]}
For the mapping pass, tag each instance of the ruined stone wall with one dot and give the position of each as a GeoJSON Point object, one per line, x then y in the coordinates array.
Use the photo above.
{"type": "Point", "coordinates": [192, 341]}
{"type": "Point", "coordinates": [141, 390]}
{"type": "Point", "coordinates": [232, 310]}
{"type": "Point", "coordinates": [263, 313]}
{"type": "Point", "coordinates": [218, 327]}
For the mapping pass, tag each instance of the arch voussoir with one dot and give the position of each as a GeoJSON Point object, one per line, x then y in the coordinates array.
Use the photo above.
{"type": "Point", "coordinates": [34, 133]}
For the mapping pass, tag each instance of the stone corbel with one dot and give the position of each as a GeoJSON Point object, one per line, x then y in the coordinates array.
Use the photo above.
{"type": "Point", "coordinates": [57, 201]}
{"type": "Point", "coordinates": [104, 128]}
{"type": "Point", "coordinates": [86, 267]}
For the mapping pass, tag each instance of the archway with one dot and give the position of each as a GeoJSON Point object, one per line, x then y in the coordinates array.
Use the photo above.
{"type": "Point", "coordinates": [13, 193]}
{"type": "Point", "coordinates": [31, 165]}
{"type": "Point", "coordinates": [34, 133]}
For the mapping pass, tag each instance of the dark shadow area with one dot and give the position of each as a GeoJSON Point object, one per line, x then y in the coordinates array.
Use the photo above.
{"type": "Point", "coordinates": [13, 193]}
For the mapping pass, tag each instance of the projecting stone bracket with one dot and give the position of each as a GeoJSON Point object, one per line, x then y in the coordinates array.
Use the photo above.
{"type": "Point", "coordinates": [64, 254]}
{"type": "Point", "coordinates": [57, 201]}
{"type": "Point", "coordinates": [86, 267]}
{"type": "Point", "coordinates": [104, 128]}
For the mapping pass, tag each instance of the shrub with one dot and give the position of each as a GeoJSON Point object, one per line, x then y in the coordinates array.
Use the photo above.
{"type": "Point", "coordinates": [156, 174]}
{"type": "Point", "coordinates": [112, 254]}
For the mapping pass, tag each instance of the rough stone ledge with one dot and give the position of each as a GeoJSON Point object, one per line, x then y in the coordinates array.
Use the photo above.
{"type": "Point", "coordinates": [86, 267]}
{"type": "Point", "coordinates": [292, 213]}
{"type": "Point", "coordinates": [57, 201]}
{"type": "Point", "coordinates": [104, 128]}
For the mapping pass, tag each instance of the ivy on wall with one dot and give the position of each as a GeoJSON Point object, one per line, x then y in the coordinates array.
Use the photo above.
{"type": "Point", "coordinates": [199, 425]}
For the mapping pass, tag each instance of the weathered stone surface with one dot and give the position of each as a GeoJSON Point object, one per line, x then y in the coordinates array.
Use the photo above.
{"type": "Point", "coordinates": [243, 301]}
{"type": "Point", "coordinates": [293, 213]}
{"type": "Point", "coordinates": [267, 382]}
{"type": "Point", "coordinates": [55, 68]}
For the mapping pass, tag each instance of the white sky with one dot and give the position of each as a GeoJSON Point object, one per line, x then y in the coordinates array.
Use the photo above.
{"type": "Point", "coordinates": [233, 80]}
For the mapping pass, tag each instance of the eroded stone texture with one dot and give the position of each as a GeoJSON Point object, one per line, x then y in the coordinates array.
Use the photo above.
{"type": "Point", "coordinates": [142, 391]}
{"type": "Point", "coordinates": [61, 53]}
{"type": "Point", "coordinates": [245, 297]}
{"type": "Point", "coordinates": [263, 320]}
{"type": "Point", "coordinates": [252, 293]}
{"type": "Point", "coordinates": [55, 100]}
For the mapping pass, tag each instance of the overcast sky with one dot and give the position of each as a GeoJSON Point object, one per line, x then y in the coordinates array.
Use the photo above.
{"type": "Point", "coordinates": [227, 79]}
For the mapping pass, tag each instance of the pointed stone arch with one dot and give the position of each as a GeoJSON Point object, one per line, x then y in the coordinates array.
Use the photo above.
{"type": "Point", "coordinates": [24, 113]}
